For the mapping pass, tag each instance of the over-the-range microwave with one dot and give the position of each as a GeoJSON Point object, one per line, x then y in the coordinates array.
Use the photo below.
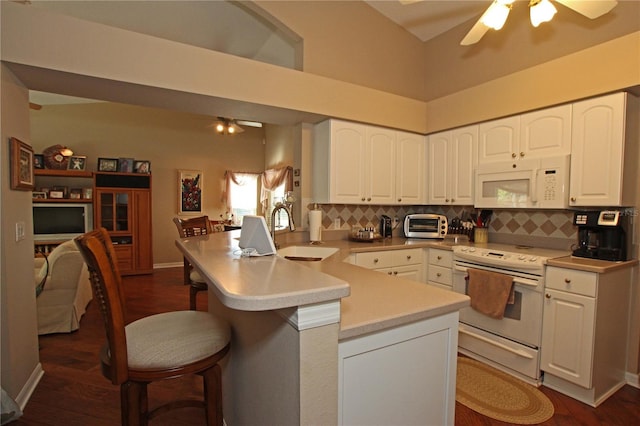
{"type": "Point", "coordinates": [540, 183]}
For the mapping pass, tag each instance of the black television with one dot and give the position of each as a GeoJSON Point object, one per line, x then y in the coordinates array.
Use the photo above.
{"type": "Point", "coordinates": [61, 221]}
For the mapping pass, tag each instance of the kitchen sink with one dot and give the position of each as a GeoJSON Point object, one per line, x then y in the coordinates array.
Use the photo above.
{"type": "Point", "coordinates": [306, 253]}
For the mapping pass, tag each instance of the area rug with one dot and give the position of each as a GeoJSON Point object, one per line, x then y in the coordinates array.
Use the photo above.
{"type": "Point", "coordinates": [500, 396]}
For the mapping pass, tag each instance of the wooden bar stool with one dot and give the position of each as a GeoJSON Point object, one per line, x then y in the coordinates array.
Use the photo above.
{"type": "Point", "coordinates": [192, 228]}
{"type": "Point", "coordinates": [153, 348]}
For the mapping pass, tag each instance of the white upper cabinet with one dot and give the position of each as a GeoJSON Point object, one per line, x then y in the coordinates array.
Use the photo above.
{"type": "Point", "coordinates": [339, 162]}
{"type": "Point", "coordinates": [452, 158]}
{"type": "Point", "coordinates": [498, 140]}
{"type": "Point", "coordinates": [360, 164]}
{"type": "Point", "coordinates": [380, 166]}
{"type": "Point", "coordinates": [545, 133]}
{"type": "Point", "coordinates": [410, 170]}
{"type": "Point", "coordinates": [604, 169]}
{"type": "Point", "coordinates": [604, 157]}
{"type": "Point", "coordinates": [464, 159]}
{"type": "Point", "coordinates": [532, 135]}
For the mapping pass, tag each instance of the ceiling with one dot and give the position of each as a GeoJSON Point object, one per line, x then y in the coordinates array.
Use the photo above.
{"type": "Point", "coordinates": [427, 19]}
{"type": "Point", "coordinates": [423, 18]}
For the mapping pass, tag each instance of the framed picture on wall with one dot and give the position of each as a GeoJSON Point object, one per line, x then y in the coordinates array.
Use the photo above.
{"type": "Point", "coordinates": [190, 192]}
{"type": "Point", "coordinates": [22, 177]}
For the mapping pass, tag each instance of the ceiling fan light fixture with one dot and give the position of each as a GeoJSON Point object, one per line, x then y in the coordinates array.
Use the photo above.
{"type": "Point", "coordinates": [541, 11]}
{"type": "Point", "coordinates": [227, 126]}
{"type": "Point", "coordinates": [497, 14]}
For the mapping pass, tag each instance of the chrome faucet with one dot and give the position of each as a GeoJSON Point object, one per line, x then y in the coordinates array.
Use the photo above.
{"type": "Point", "coordinates": [276, 209]}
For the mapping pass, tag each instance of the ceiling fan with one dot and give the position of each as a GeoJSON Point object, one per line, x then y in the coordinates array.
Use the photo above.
{"type": "Point", "coordinates": [230, 126]}
{"type": "Point", "coordinates": [540, 11]}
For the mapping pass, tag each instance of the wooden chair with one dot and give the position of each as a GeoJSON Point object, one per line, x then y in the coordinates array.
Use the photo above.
{"type": "Point", "coordinates": [152, 348]}
{"type": "Point", "coordinates": [192, 228]}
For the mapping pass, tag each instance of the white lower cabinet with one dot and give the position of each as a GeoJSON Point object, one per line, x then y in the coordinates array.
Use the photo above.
{"type": "Point", "coordinates": [439, 269]}
{"type": "Point", "coordinates": [401, 376]}
{"type": "Point", "coordinates": [402, 263]}
{"type": "Point", "coordinates": [584, 332]}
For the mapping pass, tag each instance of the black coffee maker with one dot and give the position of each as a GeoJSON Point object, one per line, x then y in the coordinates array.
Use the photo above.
{"type": "Point", "coordinates": [601, 234]}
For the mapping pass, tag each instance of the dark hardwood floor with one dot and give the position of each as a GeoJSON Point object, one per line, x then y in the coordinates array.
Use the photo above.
{"type": "Point", "coordinates": [74, 392]}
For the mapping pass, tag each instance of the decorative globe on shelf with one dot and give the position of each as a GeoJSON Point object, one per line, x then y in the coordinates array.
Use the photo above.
{"type": "Point", "coordinates": [57, 157]}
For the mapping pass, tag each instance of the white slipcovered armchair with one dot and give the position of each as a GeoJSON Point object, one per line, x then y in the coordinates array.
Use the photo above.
{"type": "Point", "coordinates": [66, 291]}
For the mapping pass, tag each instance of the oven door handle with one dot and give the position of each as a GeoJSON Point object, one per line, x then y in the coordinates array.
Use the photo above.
{"type": "Point", "coordinates": [520, 353]}
{"type": "Point", "coordinates": [516, 280]}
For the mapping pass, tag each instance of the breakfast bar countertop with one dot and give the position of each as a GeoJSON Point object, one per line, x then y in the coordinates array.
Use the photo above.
{"type": "Point", "coordinates": [370, 301]}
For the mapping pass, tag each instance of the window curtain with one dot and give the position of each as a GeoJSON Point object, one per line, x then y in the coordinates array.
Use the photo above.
{"type": "Point", "coordinates": [238, 178]}
{"type": "Point", "coordinates": [273, 178]}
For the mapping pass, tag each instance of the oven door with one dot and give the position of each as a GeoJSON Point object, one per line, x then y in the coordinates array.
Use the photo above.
{"type": "Point", "coordinates": [522, 320]}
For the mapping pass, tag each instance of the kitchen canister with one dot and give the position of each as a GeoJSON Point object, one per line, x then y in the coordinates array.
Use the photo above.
{"type": "Point", "coordinates": [481, 235]}
{"type": "Point", "coordinates": [315, 225]}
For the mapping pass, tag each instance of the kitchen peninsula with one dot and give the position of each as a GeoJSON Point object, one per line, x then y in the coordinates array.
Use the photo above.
{"type": "Point", "coordinates": [314, 341]}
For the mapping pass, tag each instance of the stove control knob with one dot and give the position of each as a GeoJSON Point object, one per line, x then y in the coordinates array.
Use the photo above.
{"type": "Point", "coordinates": [522, 257]}
{"type": "Point", "coordinates": [471, 250]}
{"type": "Point", "coordinates": [533, 259]}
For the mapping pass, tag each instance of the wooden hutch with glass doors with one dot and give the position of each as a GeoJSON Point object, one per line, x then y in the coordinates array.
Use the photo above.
{"type": "Point", "coordinates": [122, 205]}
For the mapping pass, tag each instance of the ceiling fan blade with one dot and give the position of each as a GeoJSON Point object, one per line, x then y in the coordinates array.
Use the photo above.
{"type": "Point", "coordinates": [475, 34]}
{"type": "Point", "coordinates": [249, 123]}
{"type": "Point", "coordinates": [591, 9]}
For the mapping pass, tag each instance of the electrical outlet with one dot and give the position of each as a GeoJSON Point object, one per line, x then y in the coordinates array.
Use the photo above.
{"type": "Point", "coordinates": [19, 231]}
{"type": "Point", "coordinates": [337, 223]}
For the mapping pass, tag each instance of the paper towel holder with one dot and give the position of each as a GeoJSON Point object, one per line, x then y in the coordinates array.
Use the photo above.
{"type": "Point", "coordinates": [318, 241]}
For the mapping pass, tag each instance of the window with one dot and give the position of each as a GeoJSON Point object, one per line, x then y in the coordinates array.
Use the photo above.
{"type": "Point", "coordinates": [243, 195]}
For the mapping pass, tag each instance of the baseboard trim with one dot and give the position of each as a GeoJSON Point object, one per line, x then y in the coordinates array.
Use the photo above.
{"type": "Point", "coordinates": [168, 265]}
{"type": "Point", "coordinates": [633, 379]}
{"type": "Point", "coordinates": [30, 386]}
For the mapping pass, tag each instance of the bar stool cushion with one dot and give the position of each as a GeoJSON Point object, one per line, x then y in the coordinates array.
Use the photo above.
{"type": "Point", "coordinates": [174, 338]}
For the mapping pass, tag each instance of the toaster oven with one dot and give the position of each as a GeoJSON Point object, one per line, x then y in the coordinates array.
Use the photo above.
{"type": "Point", "coordinates": [425, 225]}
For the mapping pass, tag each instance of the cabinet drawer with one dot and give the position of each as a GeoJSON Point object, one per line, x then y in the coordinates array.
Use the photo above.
{"type": "Point", "coordinates": [124, 252]}
{"type": "Point", "coordinates": [406, 257]}
{"type": "Point", "coordinates": [441, 257]}
{"type": "Point", "coordinates": [374, 260]}
{"type": "Point", "coordinates": [440, 275]}
{"type": "Point", "coordinates": [572, 281]}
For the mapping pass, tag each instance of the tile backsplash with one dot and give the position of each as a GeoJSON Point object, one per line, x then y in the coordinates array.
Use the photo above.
{"type": "Point", "coordinates": [555, 224]}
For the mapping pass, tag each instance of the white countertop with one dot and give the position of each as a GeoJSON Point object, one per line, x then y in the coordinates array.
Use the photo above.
{"type": "Point", "coordinates": [370, 301]}
{"type": "Point", "coordinates": [257, 283]}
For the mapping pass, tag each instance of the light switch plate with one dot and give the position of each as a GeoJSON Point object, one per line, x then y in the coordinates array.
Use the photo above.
{"type": "Point", "coordinates": [19, 231]}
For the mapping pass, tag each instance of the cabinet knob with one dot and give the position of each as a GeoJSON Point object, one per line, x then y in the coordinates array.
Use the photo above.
{"type": "Point", "coordinates": [573, 199]}
{"type": "Point", "coordinates": [375, 260]}
{"type": "Point", "coordinates": [362, 199]}
{"type": "Point", "coordinates": [439, 258]}
{"type": "Point", "coordinates": [395, 272]}
{"type": "Point", "coordinates": [548, 296]}
{"type": "Point", "coordinates": [409, 257]}
{"type": "Point", "coordinates": [438, 275]}
{"type": "Point", "coordinates": [513, 155]}
{"type": "Point", "coordinates": [369, 199]}
{"type": "Point", "coordinates": [521, 154]}
{"type": "Point", "coordinates": [399, 200]}
{"type": "Point", "coordinates": [389, 273]}
{"type": "Point", "coordinates": [514, 166]}
{"type": "Point", "coordinates": [567, 280]}
{"type": "Point", "coordinates": [453, 200]}
{"type": "Point", "coordinates": [446, 200]}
